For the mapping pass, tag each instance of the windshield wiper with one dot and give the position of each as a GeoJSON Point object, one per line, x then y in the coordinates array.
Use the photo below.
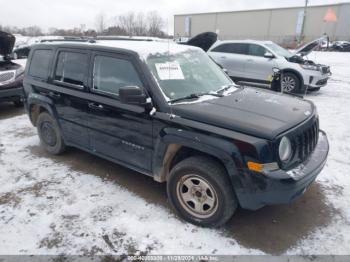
{"type": "Point", "coordinates": [225, 88]}
{"type": "Point", "coordinates": [195, 95]}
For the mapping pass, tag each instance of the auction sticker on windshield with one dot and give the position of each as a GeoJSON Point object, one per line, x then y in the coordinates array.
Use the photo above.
{"type": "Point", "coordinates": [169, 71]}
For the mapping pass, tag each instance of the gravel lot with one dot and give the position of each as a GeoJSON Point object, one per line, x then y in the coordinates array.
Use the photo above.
{"type": "Point", "coordinates": [80, 204]}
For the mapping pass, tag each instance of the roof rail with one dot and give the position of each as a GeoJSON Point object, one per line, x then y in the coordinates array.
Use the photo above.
{"type": "Point", "coordinates": [126, 38]}
{"type": "Point", "coordinates": [69, 39]}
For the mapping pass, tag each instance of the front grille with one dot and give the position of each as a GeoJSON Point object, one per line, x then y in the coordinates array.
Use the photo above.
{"type": "Point", "coordinates": [305, 141]}
{"type": "Point", "coordinates": [7, 76]}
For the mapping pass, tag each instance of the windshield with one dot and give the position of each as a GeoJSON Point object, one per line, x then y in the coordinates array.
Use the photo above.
{"type": "Point", "coordinates": [279, 50]}
{"type": "Point", "coordinates": [186, 73]}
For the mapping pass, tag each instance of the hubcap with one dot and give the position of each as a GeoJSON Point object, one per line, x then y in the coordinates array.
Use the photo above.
{"type": "Point", "coordinates": [197, 196]}
{"type": "Point", "coordinates": [288, 83]}
{"type": "Point", "coordinates": [48, 134]}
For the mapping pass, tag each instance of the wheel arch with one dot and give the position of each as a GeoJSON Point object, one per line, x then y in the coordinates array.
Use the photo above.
{"type": "Point", "coordinates": [172, 148]}
{"type": "Point", "coordinates": [37, 104]}
{"type": "Point", "coordinates": [298, 74]}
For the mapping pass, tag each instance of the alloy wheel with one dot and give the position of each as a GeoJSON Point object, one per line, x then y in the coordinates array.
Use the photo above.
{"type": "Point", "coordinates": [288, 83]}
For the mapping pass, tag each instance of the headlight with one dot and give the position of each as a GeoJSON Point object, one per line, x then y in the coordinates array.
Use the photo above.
{"type": "Point", "coordinates": [285, 149]}
{"type": "Point", "coordinates": [310, 67]}
{"type": "Point", "coordinates": [19, 71]}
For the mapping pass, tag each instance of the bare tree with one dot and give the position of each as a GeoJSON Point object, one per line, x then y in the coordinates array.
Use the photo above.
{"type": "Point", "coordinates": [100, 22]}
{"type": "Point", "coordinates": [140, 25]}
{"type": "Point", "coordinates": [127, 22]}
{"type": "Point", "coordinates": [33, 31]}
{"type": "Point", "coordinates": [155, 24]}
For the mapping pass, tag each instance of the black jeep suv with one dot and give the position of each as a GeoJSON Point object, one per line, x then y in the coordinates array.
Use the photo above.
{"type": "Point", "coordinates": [11, 74]}
{"type": "Point", "coordinates": [168, 111]}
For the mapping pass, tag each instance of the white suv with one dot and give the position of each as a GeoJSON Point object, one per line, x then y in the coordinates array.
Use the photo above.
{"type": "Point", "coordinates": [252, 61]}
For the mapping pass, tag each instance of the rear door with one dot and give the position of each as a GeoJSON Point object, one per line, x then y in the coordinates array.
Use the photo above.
{"type": "Point", "coordinates": [118, 131]}
{"type": "Point", "coordinates": [231, 56]}
{"type": "Point", "coordinates": [257, 66]}
{"type": "Point", "coordinates": [70, 78]}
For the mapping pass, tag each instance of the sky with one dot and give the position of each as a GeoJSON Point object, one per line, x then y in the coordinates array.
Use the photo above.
{"type": "Point", "coordinates": [73, 13]}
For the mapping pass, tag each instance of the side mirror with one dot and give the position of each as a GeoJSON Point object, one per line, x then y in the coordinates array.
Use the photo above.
{"type": "Point", "coordinates": [269, 55]}
{"type": "Point", "coordinates": [132, 95]}
{"type": "Point", "coordinates": [276, 70]}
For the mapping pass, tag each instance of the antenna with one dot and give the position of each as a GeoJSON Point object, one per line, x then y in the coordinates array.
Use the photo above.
{"type": "Point", "coordinates": [167, 25]}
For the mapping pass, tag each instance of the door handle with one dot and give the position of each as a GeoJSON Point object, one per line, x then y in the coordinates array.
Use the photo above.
{"type": "Point", "coordinates": [223, 57]}
{"type": "Point", "coordinates": [96, 106]}
{"type": "Point", "coordinates": [250, 60]}
{"type": "Point", "coordinates": [54, 95]}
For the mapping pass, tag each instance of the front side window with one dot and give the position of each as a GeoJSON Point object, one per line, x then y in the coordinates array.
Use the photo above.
{"type": "Point", "coordinates": [71, 68]}
{"type": "Point", "coordinates": [111, 73]}
{"type": "Point", "coordinates": [185, 73]}
{"type": "Point", "coordinates": [279, 50]}
{"type": "Point", "coordinates": [256, 50]}
{"type": "Point", "coordinates": [40, 63]}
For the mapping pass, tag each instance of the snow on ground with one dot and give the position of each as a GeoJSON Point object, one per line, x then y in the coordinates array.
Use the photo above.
{"type": "Point", "coordinates": [333, 104]}
{"type": "Point", "coordinates": [46, 207]}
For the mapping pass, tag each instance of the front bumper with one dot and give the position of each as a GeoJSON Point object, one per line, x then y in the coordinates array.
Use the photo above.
{"type": "Point", "coordinates": [280, 191]}
{"type": "Point", "coordinates": [11, 94]}
{"type": "Point", "coordinates": [316, 79]}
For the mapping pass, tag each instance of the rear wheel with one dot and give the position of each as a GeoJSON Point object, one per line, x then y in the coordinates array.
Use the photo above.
{"type": "Point", "coordinates": [50, 134]}
{"type": "Point", "coordinates": [290, 83]}
{"type": "Point", "coordinates": [200, 191]}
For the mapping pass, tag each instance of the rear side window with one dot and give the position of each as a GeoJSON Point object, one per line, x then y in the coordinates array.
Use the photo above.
{"type": "Point", "coordinates": [111, 73]}
{"type": "Point", "coordinates": [256, 50]}
{"type": "Point", "coordinates": [224, 48]}
{"type": "Point", "coordinates": [40, 63]}
{"type": "Point", "coordinates": [71, 68]}
{"type": "Point", "coordinates": [233, 48]}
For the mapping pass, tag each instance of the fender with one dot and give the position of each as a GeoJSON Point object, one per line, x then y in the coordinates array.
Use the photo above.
{"type": "Point", "coordinates": [41, 100]}
{"type": "Point", "coordinates": [171, 140]}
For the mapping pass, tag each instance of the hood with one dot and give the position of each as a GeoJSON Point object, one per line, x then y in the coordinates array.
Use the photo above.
{"type": "Point", "coordinates": [7, 41]}
{"type": "Point", "coordinates": [259, 113]}
{"type": "Point", "coordinates": [309, 47]}
{"type": "Point", "coordinates": [203, 40]}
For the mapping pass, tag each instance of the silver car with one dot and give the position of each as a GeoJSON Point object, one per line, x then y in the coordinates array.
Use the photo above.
{"type": "Point", "coordinates": [252, 61]}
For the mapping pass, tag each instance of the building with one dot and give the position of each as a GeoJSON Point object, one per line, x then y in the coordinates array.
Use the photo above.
{"type": "Point", "coordinates": [281, 25]}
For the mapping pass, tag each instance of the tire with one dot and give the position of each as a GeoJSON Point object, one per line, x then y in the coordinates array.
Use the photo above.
{"type": "Point", "coordinates": [200, 191]}
{"type": "Point", "coordinates": [290, 83]}
{"type": "Point", "coordinates": [50, 134]}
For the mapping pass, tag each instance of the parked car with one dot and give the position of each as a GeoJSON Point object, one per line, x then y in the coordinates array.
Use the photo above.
{"type": "Point", "coordinates": [169, 112]}
{"type": "Point", "coordinates": [252, 61]}
{"type": "Point", "coordinates": [11, 74]}
{"type": "Point", "coordinates": [341, 46]}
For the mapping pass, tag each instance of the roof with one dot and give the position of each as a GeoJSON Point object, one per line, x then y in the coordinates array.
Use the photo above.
{"type": "Point", "coordinates": [142, 48]}
{"type": "Point", "coordinates": [250, 41]}
{"type": "Point", "coordinates": [262, 9]}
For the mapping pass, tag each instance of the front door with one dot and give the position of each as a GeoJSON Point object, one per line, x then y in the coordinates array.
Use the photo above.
{"type": "Point", "coordinates": [257, 66]}
{"type": "Point", "coordinates": [118, 131]}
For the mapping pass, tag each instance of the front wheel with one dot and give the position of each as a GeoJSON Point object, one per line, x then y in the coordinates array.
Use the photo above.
{"type": "Point", "coordinates": [200, 191]}
{"type": "Point", "coordinates": [290, 83]}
